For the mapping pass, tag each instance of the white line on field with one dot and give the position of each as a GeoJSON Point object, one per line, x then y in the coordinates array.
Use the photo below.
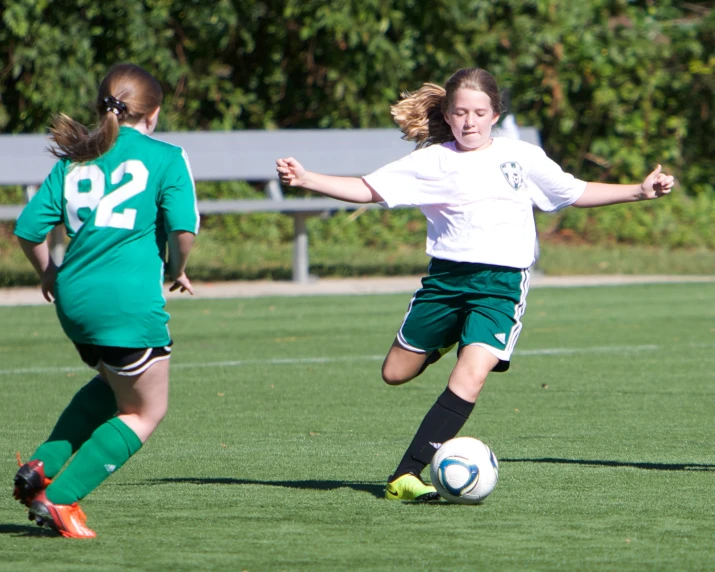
{"type": "Point", "coordinates": [328, 360]}
{"type": "Point", "coordinates": [593, 350]}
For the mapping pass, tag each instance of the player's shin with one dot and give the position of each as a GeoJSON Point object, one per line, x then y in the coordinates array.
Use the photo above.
{"type": "Point", "coordinates": [110, 446]}
{"type": "Point", "coordinates": [442, 422]}
{"type": "Point", "coordinates": [91, 406]}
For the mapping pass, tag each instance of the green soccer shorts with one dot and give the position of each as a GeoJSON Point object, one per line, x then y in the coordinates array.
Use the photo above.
{"type": "Point", "coordinates": [467, 303]}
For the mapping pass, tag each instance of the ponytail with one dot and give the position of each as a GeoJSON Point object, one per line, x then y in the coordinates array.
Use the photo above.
{"type": "Point", "coordinates": [75, 142]}
{"type": "Point", "coordinates": [127, 95]}
{"type": "Point", "coordinates": [420, 116]}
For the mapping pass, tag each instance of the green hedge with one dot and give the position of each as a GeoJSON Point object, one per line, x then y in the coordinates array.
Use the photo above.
{"type": "Point", "coordinates": [675, 221]}
{"type": "Point", "coordinates": [613, 86]}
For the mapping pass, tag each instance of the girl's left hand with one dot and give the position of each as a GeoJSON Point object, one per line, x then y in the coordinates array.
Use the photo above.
{"type": "Point", "coordinates": [182, 284]}
{"type": "Point", "coordinates": [657, 184]}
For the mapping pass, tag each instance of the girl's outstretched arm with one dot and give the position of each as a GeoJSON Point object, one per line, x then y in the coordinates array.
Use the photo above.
{"type": "Point", "coordinates": [350, 189]}
{"type": "Point", "coordinates": [654, 186]}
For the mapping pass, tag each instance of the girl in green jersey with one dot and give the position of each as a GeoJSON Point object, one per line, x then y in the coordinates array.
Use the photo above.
{"type": "Point", "coordinates": [122, 197]}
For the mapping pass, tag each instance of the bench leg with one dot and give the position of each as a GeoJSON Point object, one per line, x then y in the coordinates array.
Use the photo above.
{"type": "Point", "coordinates": [301, 267]}
{"type": "Point", "coordinates": [57, 244]}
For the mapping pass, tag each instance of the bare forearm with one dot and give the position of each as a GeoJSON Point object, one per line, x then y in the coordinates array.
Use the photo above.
{"type": "Point", "coordinates": [602, 194]}
{"type": "Point", "coordinates": [350, 189]}
{"type": "Point", "coordinates": [180, 244]}
{"type": "Point", "coordinates": [38, 253]}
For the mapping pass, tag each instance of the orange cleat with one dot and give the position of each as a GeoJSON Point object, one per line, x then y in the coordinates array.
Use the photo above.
{"type": "Point", "coordinates": [29, 480]}
{"type": "Point", "coordinates": [67, 519]}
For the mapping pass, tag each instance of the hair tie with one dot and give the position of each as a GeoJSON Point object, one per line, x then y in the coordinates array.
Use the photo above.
{"type": "Point", "coordinates": [114, 105]}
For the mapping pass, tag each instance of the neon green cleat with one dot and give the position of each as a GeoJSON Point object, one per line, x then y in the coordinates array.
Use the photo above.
{"type": "Point", "coordinates": [409, 487]}
{"type": "Point", "coordinates": [435, 356]}
{"type": "Point", "coordinates": [443, 351]}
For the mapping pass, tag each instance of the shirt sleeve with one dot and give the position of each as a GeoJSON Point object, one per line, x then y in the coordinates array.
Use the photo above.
{"type": "Point", "coordinates": [178, 196]}
{"type": "Point", "coordinates": [418, 179]}
{"type": "Point", "coordinates": [552, 188]}
{"type": "Point", "coordinates": [44, 211]}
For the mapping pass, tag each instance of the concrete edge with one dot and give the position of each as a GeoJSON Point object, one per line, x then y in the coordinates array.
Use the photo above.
{"type": "Point", "coordinates": [354, 286]}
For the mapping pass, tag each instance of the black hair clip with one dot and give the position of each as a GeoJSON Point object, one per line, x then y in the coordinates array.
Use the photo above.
{"type": "Point", "coordinates": [114, 105]}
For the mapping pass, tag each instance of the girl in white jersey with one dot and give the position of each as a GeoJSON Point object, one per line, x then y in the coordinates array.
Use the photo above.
{"type": "Point", "coordinates": [478, 194]}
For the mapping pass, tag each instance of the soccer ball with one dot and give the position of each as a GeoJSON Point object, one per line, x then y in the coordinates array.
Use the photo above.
{"type": "Point", "coordinates": [464, 470]}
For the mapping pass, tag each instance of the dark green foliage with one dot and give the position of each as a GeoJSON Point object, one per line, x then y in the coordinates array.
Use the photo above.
{"type": "Point", "coordinates": [678, 221]}
{"type": "Point", "coordinates": [614, 86]}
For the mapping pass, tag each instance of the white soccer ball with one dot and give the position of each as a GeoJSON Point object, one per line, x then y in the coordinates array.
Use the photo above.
{"type": "Point", "coordinates": [464, 470]}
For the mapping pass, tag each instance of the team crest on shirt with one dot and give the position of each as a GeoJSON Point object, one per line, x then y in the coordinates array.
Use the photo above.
{"type": "Point", "coordinates": [513, 174]}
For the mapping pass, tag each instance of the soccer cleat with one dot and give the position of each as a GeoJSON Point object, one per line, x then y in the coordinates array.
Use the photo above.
{"type": "Point", "coordinates": [67, 519]}
{"type": "Point", "coordinates": [29, 480]}
{"type": "Point", "coordinates": [409, 487]}
{"type": "Point", "coordinates": [435, 356]}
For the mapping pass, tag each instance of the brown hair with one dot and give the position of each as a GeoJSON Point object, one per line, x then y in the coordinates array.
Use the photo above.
{"type": "Point", "coordinates": [127, 94]}
{"type": "Point", "coordinates": [420, 114]}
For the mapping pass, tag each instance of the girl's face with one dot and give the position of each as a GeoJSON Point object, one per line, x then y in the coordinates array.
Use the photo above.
{"type": "Point", "coordinates": [471, 118]}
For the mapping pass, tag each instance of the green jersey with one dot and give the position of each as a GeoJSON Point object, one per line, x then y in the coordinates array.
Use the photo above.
{"type": "Point", "coordinates": [117, 210]}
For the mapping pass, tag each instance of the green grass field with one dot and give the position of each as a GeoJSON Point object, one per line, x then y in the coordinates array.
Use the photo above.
{"type": "Point", "coordinates": [281, 435]}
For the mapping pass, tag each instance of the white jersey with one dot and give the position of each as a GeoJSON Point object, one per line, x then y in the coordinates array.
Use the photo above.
{"type": "Point", "coordinates": [478, 204]}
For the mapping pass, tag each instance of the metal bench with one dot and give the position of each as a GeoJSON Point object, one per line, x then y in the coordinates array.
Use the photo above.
{"type": "Point", "coordinates": [246, 156]}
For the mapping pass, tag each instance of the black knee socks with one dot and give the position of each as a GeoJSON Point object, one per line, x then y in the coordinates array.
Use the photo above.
{"type": "Point", "coordinates": [442, 422]}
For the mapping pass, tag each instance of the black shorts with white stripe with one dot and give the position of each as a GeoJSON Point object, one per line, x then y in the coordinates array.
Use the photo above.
{"type": "Point", "coordinates": [122, 361]}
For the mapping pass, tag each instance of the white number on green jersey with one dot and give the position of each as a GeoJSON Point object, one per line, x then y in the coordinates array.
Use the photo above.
{"type": "Point", "coordinates": [95, 197]}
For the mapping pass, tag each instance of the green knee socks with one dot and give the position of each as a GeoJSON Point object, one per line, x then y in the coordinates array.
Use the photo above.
{"type": "Point", "coordinates": [109, 448]}
{"type": "Point", "coordinates": [90, 407]}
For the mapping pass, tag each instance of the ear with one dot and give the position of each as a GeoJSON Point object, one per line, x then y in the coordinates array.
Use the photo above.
{"type": "Point", "coordinates": [496, 119]}
{"type": "Point", "coordinates": [152, 118]}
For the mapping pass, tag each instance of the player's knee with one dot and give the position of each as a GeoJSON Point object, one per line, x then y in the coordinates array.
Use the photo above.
{"type": "Point", "coordinates": [159, 412]}
{"type": "Point", "coordinates": [149, 417]}
{"type": "Point", "coordinates": [475, 379]}
{"type": "Point", "coordinates": [470, 380]}
{"type": "Point", "coordinates": [392, 375]}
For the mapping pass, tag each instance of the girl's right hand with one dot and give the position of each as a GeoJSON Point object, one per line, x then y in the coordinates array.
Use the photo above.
{"type": "Point", "coordinates": [290, 171]}
{"type": "Point", "coordinates": [47, 281]}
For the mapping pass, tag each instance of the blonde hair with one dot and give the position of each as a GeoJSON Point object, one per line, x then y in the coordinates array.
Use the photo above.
{"type": "Point", "coordinates": [127, 94]}
{"type": "Point", "coordinates": [420, 115]}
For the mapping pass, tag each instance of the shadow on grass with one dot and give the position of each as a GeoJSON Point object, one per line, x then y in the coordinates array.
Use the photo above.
{"type": "Point", "coordinates": [373, 489]}
{"type": "Point", "coordinates": [647, 466]}
{"type": "Point", "coordinates": [27, 530]}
